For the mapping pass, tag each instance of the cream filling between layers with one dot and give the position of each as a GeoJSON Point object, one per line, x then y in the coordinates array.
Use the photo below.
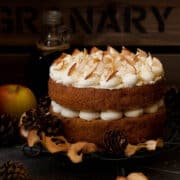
{"type": "Point", "coordinates": [105, 115]}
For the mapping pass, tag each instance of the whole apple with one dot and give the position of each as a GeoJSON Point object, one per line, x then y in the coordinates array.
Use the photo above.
{"type": "Point", "coordinates": [16, 99]}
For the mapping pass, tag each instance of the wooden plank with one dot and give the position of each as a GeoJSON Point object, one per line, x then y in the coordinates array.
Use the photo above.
{"type": "Point", "coordinates": [80, 3]}
{"type": "Point", "coordinates": [95, 22]}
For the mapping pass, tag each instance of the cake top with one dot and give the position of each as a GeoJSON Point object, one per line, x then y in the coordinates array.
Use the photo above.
{"type": "Point", "coordinates": [108, 69]}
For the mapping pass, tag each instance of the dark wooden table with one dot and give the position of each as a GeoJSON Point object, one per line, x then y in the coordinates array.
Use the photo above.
{"type": "Point", "coordinates": [161, 166]}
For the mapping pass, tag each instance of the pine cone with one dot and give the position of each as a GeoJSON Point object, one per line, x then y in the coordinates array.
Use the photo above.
{"type": "Point", "coordinates": [115, 142]}
{"type": "Point", "coordinates": [31, 120]}
{"type": "Point", "coordinates": [51, 125]}
{"type": "Point", "coordinates": [8, 130]}
{"type": "Point", "coordinates": [13, 171]}
{"type": "Point", "coordinates": [35, 119]}
{"type": "Point", "coordinates": [44, 103]}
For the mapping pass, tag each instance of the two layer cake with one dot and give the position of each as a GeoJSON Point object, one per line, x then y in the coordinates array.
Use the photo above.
{"type": "Point", "coordinates": [97, 92]}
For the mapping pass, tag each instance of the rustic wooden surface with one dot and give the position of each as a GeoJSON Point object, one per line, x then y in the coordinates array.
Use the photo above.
{"type": "Point", "coordinates": [164, 166]}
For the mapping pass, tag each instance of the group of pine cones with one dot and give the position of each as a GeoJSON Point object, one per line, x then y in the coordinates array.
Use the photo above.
{"type": "Point", "coordinates": [36, 119]}
{"type": "Point", "coordinates": [9, 126]}
{"type": "Point", "coordinates": [9, 135]}
{"type": "Point", "coordinates": [12, 170]}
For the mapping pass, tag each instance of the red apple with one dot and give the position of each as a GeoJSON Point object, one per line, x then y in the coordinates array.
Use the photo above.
{"type": "Point", "coordinates": [16, 99]}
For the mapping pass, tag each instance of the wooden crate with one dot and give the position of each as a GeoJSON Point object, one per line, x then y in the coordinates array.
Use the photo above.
{"type": "Point", "coordinates": [99, 22]}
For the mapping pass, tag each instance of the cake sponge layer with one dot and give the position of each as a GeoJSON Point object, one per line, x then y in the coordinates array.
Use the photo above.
{"type": "Point", "coordinates": [137, 130]}
{"type": "Point", "coordinates": [104, 99]}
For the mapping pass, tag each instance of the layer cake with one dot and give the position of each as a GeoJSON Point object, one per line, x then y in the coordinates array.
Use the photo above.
{"type": "Point", "coordinates": [100, 91]}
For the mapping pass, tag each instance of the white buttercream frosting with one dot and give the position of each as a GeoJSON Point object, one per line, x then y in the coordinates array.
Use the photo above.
{"type": "Point", "coordinates": [133, 112]}
{"type": "Point", "coordinates": [69, 113]}
{"type": "Point", "coordinates": [105, 115]}
{"type": "Point", "coordinates": [129, 80]}
{"type": "Point", "coordinates": [56, 107]}
{"type": "Point", "coordinates": [111, 115]}
{"type": "Point", "coordinates": [88, 115]}
{"type": "Point", "coordinates": [66, 112]}
{"type": "Point", "coordinates": [108, 69]}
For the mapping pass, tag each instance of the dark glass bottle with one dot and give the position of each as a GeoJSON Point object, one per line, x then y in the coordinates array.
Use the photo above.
{"type": "Point", "coordinates": [54, 40]}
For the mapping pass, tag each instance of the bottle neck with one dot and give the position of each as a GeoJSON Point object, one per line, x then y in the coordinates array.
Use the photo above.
{"type": "Point", "coordinates": [50, 49]}
{"type": "Point", "coordinates": [50, 35]}
{"type": "Point", "coordinates": [55, 37]}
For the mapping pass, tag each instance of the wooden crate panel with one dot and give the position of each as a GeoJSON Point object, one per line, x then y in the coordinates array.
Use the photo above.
{"type": "Point", "coordinates": [95, 22]}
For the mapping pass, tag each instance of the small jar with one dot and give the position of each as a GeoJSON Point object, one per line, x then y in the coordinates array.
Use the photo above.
{"type": "Point", "coordinates": [54, 40]}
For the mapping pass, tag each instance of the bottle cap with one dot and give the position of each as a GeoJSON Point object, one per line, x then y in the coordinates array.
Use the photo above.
{"type": "Point", "coordinates": [52, 17]}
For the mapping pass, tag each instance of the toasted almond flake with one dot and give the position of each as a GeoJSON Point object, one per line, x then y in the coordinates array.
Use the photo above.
{"type": "Point", "coordinates": [107, 55]}
{"type": "Point", "coordinates": [94, 50]}
{"type": "Point", "coordinates": [141, 52]}
{"type": "Point", "coordinates": [75, 52]}
{"type": "Point", "coordinates": [71, 69]}
{"type": "Point", "coordinates": [136, 58]}
{"type": "Point", "coordinates": [110, 75]}
{"type": "Point", "coordinates": [131, 63]}
{"type": "Point", "coordinates": [60, 61]}
{"type": "Point", "coordinates": [63, 55]}
{"type": "Point", "coordinates": [126, 52]}
{"type": "Point", "coordinates": [108, 62]}
{"type": "Point", "coordinates": [96, 60]}
{"type": "Point", "coordinates": [112, 50]}
{"type": "Point", "coordinates": [57, 61]}
{"type": "Point", "coordinates": [89, 75]}
{"type": "Point", "coordinates": [93, 69]}
{"type": "Point", "coordinates": [60, 66]}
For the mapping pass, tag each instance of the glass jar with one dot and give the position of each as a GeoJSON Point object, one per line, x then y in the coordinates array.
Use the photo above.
{"type": "Point", "coordinates": [54, 40]}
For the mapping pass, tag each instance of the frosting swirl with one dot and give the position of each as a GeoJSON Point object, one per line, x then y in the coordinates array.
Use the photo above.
{"type": "Point", "coordinates": [108, 69]}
